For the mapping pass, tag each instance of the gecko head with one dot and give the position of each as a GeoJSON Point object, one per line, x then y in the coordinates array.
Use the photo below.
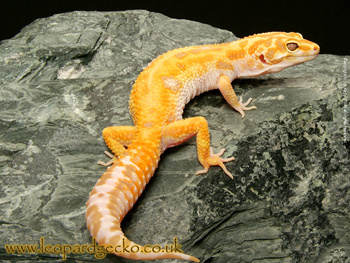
{"type": "Point", "coordinates": [278, 50]}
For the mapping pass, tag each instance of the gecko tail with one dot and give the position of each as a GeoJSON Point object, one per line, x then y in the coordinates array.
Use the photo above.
{"type": "Point", "coordinates": [148, 252]}
{"type": "Point", "coordinates": [113, 196]}
{"type": "Point", "coordinates": [121, 246]}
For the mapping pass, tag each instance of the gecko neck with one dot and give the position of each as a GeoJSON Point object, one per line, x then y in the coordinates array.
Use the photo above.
{"type": "Point", "coordinates": [245, 64]}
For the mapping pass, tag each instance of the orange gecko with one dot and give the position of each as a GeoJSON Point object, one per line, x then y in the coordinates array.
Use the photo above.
{"type": "Point", "coordinates": [156, 104]}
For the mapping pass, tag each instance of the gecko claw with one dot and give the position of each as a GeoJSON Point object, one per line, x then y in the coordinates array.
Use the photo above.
{"type": "Point", "coordinates": [110, 162]}
{"type": "Point", "coordinates": [243, 106]}
{"type": "Point", "coordinates": [215, 159]}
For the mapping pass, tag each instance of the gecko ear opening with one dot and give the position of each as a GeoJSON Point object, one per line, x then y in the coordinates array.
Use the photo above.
{"type": "Point", "coordinates": [262, 59]}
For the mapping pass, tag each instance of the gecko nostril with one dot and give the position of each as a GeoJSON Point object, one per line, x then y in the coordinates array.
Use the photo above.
{"type": "Point", "coordinates": [316, 47]}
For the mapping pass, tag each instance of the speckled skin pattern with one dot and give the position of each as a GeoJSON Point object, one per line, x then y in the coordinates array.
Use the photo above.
{"type": "Point", "coordinates": [156, 104]}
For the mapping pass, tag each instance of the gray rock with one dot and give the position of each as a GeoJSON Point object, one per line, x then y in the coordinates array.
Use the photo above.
{"type": "Point", "coordinates": [66, 77]}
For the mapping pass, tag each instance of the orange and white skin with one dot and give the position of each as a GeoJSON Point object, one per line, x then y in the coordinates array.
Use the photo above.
{"type": "Point", "coordinates": [156, 104]}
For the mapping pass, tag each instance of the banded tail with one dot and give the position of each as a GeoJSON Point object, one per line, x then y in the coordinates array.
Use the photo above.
{"type": "Point", "coordinates": [115, 194]}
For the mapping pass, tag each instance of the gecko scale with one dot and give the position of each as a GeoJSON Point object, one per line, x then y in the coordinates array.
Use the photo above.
{"type": "Point", "coordinates": [157, 100]}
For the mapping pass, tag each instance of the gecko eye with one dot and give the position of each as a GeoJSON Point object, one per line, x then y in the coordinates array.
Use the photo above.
{"type": "Point", "coordinates": [292, 46]}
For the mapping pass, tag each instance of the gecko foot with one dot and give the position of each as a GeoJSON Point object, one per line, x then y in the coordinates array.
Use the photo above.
{"type": "Point", "coordinates": [215, 159]}
{"type": "Point", "coordinates": [243, 106]}
{"type": "Point", "coordinates": [110, 162]}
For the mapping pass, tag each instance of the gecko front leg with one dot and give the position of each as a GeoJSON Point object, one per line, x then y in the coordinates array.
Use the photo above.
{"type": "Point", "coordinates": [230, 96]}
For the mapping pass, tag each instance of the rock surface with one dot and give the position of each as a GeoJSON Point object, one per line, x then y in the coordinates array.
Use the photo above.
{"type": "Point", "coordinates": [66, 77]}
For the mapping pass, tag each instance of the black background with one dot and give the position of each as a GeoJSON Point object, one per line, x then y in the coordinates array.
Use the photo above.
{"type": "Point", "coordinates": [325, 23]}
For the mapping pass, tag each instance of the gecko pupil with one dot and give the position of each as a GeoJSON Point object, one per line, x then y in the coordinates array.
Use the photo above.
{"type": "Point", "coordinates": [292, 46]}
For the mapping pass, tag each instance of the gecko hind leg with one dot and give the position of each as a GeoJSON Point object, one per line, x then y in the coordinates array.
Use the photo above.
{"type": "Point", "coordinates": [116, 138]}
{"type": "Point", "coordinates": [220, 162]}
{"type": "Point", "coordinates": [112, 157]}
{"type": "Point", "coordinates": [179, 131]}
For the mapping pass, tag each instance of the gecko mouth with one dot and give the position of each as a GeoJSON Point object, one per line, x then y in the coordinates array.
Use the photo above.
{"type": "Point", "coordinates": [305, 57]}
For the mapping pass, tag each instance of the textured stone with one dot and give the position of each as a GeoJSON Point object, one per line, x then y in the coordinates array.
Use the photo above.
{"type": "Point", "coordinates": [66, 77]}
